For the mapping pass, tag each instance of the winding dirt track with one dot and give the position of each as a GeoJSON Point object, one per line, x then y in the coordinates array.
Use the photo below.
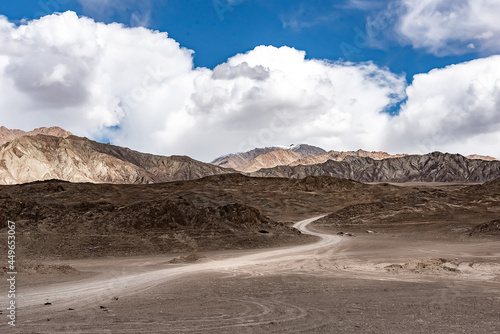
{"type": "Point", "coordinates": [119, 283]}
{"type": "Point", "coordinates": [323, 287]}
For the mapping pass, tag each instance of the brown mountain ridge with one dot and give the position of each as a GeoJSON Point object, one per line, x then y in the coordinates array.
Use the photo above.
{"type": "Point", "coordinates": [77, 159]}
{"type": "Point", "coordinates": [432, 167]}
{"type": "Point", "coordinates": [33, 157]}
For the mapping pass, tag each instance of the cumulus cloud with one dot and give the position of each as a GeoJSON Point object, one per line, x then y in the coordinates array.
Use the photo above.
{"type": "Point", "coordinates": [139, 88]}
{"type": "Point", "coordinates": [455, 109]}
{"type": "Point", "coordinates": [87, 76]}
{"type": "Point", "coordinates": [225, 71]}
{"type": "Point", "coordinates": [445, 27]}
{"type": "Point", "coordinates": [329, 104]}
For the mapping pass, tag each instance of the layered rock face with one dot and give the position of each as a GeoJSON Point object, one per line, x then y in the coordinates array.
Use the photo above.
{"type": "Point", "coordinates": [53, 153]}
{"type": "Point", "coordinates": [364, 166]}
{"type": "Point", "coordinates": [433, 167]}
{"type": "Point", "coordinates": [266, 157]}
{"type": "Point", "coordinates": [76, 159]}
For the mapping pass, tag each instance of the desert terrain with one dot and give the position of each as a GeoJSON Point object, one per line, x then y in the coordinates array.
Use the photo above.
{"type": "Point", "coordinates": [380, 258]}
{"type": "Point", "coordinates": [250, 167]}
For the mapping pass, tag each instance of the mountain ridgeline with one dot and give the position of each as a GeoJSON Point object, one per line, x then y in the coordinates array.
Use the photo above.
{"type": "Point", "coordinates": [364, 166]}
{"type": "Point", "coordinates": [53, 153]}
{"type": "Point", "coordinates": [76, 159]}
{"type": "Point", "coordinates": [433, 167]}
{"type": "Point", "coordinates": [259, 157]}
{"type": "Point", "coordinates": [8, 135]}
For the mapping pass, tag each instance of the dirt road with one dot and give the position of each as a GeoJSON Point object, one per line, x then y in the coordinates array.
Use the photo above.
{"type": "Point", "coordinates": [324, 287]}
{"type": "Point", "coordinates": [118, 282]}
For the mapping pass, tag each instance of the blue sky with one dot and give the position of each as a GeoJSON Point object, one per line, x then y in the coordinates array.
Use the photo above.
{"type": "Point", "coordinates": [372, 47]}
{"type": "Point", "coordinates": [218, 29]}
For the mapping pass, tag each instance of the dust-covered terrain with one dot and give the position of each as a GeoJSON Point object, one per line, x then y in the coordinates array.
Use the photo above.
{"type": "Point", "coordinates": [417, 258]}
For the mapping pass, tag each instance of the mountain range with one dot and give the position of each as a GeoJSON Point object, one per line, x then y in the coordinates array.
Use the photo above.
{"type": "Point", "coordinates": [76, 159]}
{"type": "Point", "coordinates": [295, 155]}
{"type": "Point", "coordinates": [53, 153]}
{"type": "Point", "coordinates": [263, 157]}
{"type": "Point", "coordinates": [432, 167]}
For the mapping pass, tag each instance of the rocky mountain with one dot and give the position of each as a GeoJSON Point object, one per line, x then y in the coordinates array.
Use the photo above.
{"type": "Point", "coordinates": [305, 150]}
{"type": "Point", "coordinates": [364, 166]}
{"type": "Point", "coordinates": [240, 159]}
{"type": "Point", "coordinates": [433, 167]}
{"type": "Point", "coordinates": [244, 161]}
{"type": "Point", "coordinates": [294, 155]}
{"type": "Point", "coordinates": [42, 157]}
{"type": "Point", "coordinates": [8, 135]}
{"type": "Point", "coordinates": [27, 157]}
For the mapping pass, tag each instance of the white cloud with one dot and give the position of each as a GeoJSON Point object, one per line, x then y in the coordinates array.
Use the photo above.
{"type": "Point", "coordinates": [445, 27]}
{"type": "Point", "coordinates": [139, 88]}
{"type": "Point", "coordinates": [301, 100]}
{"type": "Point", "coordinates": [225, 71]}
{"type": "Point", "coordinates": [87, 76]}
{"type": "Point", "coordinates": [455, 109]}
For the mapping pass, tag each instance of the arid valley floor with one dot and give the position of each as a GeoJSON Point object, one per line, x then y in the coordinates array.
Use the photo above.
{"type": "Point", "coordinates": [413, 258]}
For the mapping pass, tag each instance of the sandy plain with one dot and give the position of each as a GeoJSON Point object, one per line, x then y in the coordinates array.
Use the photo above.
{"type": "Point", "coordinates": [370, 283]}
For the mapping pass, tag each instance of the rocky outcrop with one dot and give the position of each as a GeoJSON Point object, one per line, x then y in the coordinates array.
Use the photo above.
{"type": "Point", "coordinates": [74, 220]}
{"type": "Point", "coordinates": [8, 135]}
{"type": "Point", "coordinates": [489, 228]}
{"type": "Point", "coordinates": [76, 159]}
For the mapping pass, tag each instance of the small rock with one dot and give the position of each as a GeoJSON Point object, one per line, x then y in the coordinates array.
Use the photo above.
{"type": "Point", "coordinates": [115, 298]}
{"type": "Point", "coordinates": [71, 309]}
{"type": "Point", "coordinates": [47, 303]}
{"type": "Point", "coordinates": [393, 266]}
{"type": "Point", "coordinates": [102, 307]}
{"type": "Point", "coordinates": [340, 233]}
{"type": "Point", "coordinates": [368, 231]}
